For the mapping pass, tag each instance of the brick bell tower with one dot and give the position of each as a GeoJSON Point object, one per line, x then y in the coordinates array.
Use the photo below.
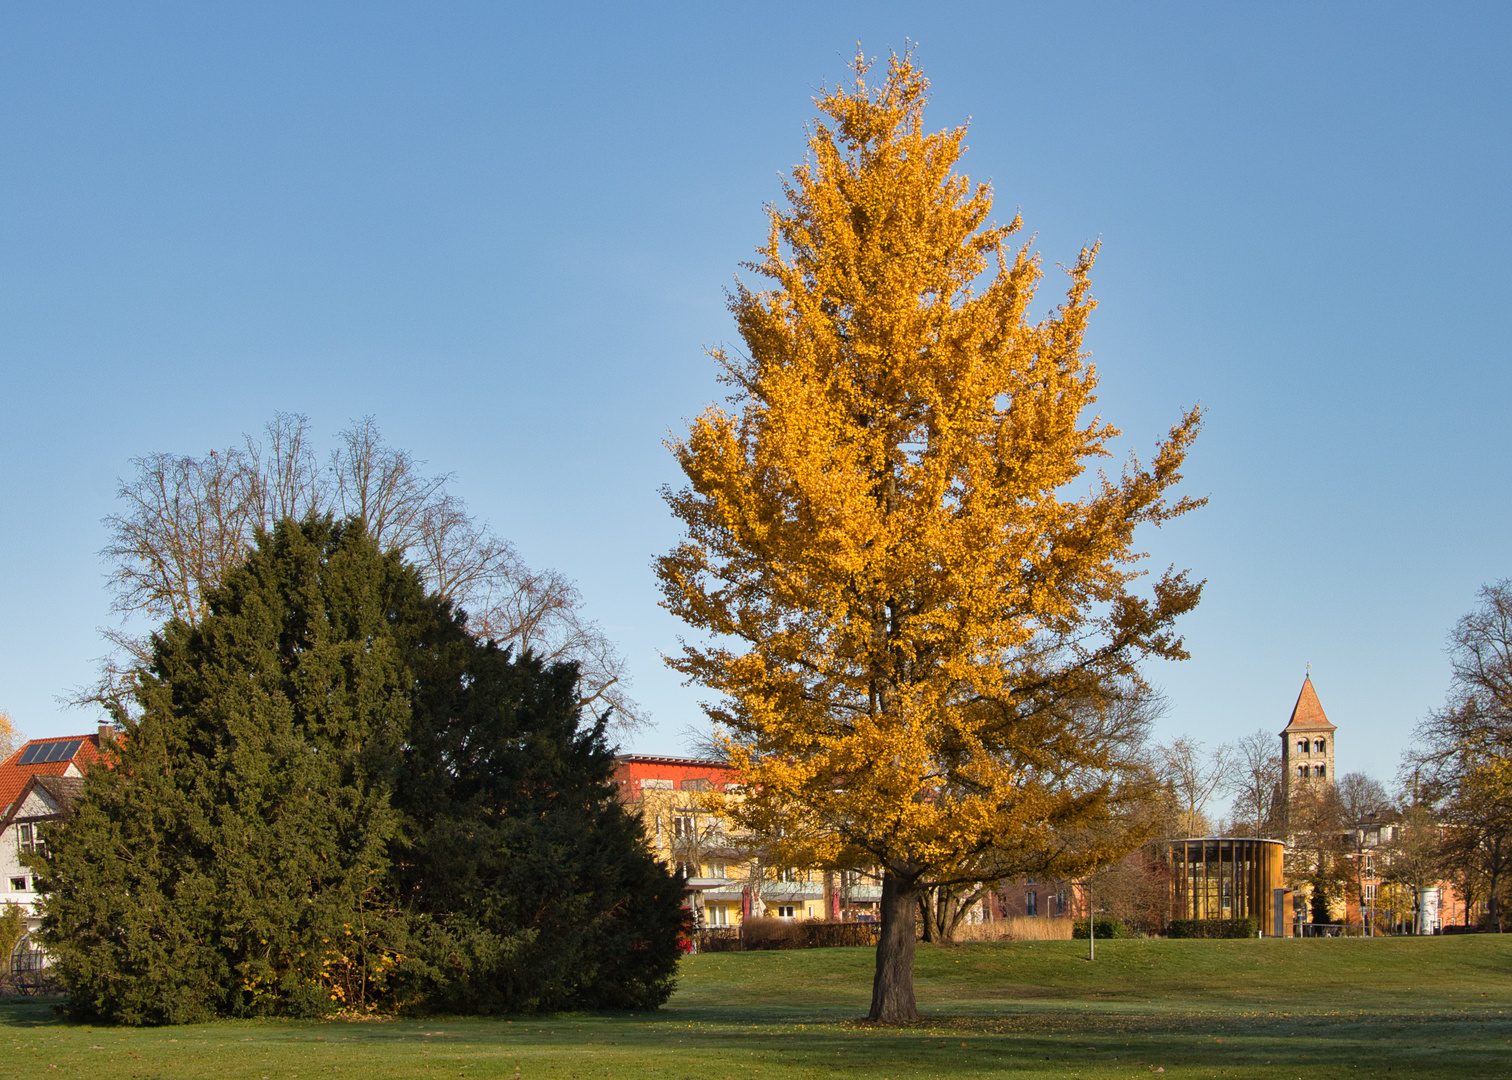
{"type": "Point", "coordinates": [1307, 744]}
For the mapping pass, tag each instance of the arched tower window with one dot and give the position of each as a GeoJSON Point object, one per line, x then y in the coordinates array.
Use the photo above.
{"type": "Point", "coordinates": [1318, 746]}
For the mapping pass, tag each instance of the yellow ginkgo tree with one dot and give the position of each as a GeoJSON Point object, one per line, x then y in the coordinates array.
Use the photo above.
{"type": "Point", "coordinates": [912, 599]}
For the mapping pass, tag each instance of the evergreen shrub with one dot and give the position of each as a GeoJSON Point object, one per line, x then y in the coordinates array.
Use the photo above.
{"type": "Point", "coordinates": [823, 934]}
{"type": "Point", "coordinates": [1106, 928]}
{"type": "Point", "coordinates": [336, 798]}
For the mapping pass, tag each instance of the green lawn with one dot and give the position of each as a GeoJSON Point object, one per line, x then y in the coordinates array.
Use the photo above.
{"type": "Point", "coordinates": [1428, 1007]}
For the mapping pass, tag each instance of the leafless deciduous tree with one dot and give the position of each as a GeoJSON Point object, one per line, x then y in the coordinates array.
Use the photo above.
{"type": "Point", "coordinates": [1136, 890]}
{"type": "Point", "coordinates": [185, 521]}
{"type": "Point", "coordinates": [1194, 776]}
{"type": "Point", "coordinates": [1253, 778]}
{"type": "Point", "coordinates": [1362, 799]}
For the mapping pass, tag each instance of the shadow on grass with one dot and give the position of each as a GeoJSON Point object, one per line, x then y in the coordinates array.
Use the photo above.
{"type": "Point", "coordinates": [762, 1044]}
{"type": "Point", "coordinates": [1257, 1011]}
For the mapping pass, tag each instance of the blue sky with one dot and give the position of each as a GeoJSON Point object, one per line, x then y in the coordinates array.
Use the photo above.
{"type": "Point", "coordinates": [506, 232]}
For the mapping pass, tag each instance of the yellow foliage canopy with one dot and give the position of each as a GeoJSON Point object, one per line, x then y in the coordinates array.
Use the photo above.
{"type": "Point", "coordinates": [924, 637]}
{"type": "Point", "coordinates": [9, 736]}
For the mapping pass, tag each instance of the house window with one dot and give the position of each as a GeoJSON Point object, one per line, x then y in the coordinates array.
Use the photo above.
{"type": "Point", "coordinates": [1370, 892]}
{"type": "Point", "coordinates": [1320, 770]}
{"type": "Point", "coordinates": [1318, 746]}
{"type": "Point", "coordinates": [785, 911]}
{"type": "Point", "coordinates": [1301, 746]}
{"type": "Point", "coordinates": [716, 869]}
{"type": "Point", "coordinates": [25, 837]}
{"type": "Point", "coordinates": [686, 870]}
{"type": "Point", "coordinates": [682, 825]}
{"type": "Point", "coordinates": [719, 915]}
{"type": "Point", "coordinates": [18, 884]}
{"type": "Point", "coordinates": [1060, 903]}
{"type": "Point", "coordinates": [1301, 770]}
{"type": "Point", "coordinates": [1031, 903]}
{"type": "Point", "coordinates": [790, 874]}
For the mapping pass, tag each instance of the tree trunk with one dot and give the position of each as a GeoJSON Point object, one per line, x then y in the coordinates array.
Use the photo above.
{"type": "Point", "coordinates": [941, 910]}
{"type": "Point", "coordinates": [1493, 909]}
{"type": "Point", "coordinates": [962, 908]}
{"type": "Point", "coordinates": [927, 915]}
{"type": "Point", "coordinates": [892, 986]}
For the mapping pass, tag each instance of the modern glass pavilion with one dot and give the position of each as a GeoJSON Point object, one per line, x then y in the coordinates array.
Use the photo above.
{"type": "Point", "coordinates": [1224, 878]}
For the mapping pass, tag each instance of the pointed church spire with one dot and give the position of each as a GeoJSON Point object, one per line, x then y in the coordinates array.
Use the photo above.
{"type": "Point", "coordinates": [1308, 712]}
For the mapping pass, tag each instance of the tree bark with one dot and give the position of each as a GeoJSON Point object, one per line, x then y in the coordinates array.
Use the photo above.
{"type": "Point", "coordinates": [926, 913]}
{"type": "Point", "coordinates": [892, 986]}
{"type": "Point", "coordinates": [1493, 909]}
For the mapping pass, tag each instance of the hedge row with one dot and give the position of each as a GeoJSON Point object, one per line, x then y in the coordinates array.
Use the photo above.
{"type": "Point", "coordinates": [1214, 928]}
{"type": "Point", "coordinates": [1106, 928]}
{"type": "Point", "coordinates": [786, 934]}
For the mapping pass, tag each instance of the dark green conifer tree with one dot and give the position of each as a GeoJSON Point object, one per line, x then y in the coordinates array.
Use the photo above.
{"type": "Point", "coordinates": [335, 794]}
{"type": "Point", "coordinates": [235, 859]}
{"type": "Point", "coordinates": [536, 888]}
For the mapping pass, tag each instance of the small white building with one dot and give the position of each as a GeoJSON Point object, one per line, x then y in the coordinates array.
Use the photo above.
{"type": "Point", "coordinates": [44, 798]}
{"type": "Point", "coordinates": [38, 783]}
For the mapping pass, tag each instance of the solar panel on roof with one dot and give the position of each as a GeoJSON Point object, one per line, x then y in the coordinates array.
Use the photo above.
{"type": "Point", "coordinates": [64, 750]}
{"type": "Point", "coordinates": [42, 753]}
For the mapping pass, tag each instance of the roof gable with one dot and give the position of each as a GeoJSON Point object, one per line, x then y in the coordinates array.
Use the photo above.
{"type": "Point", "coordinates": [44, 797]}
{"type": "Point", "coordinates": [35, 801]}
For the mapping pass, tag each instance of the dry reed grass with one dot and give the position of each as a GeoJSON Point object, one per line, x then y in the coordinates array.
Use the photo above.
{"type": "Point", "coordinates": [1017, 928]}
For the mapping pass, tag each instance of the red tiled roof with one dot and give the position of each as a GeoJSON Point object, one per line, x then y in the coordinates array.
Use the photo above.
{"type": "Point", "coordinates": [1308, 713]}
{"type": "Point", "coordinates": [14, 775]}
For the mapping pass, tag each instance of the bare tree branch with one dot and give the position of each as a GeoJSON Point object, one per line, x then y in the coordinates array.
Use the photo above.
{"type": "Point", "coordinates": [1253, 779]}
{"type": "Point", "coordinates": [1194, 776]}
{"type": "Point", "coordinates": [187, 521]}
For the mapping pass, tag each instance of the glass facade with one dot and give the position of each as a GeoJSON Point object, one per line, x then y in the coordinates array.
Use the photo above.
{"type": "Point", "coordinates": [1224, 878]}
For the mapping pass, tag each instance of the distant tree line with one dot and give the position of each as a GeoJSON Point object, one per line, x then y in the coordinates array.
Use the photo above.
{"type": "Point", "coordinates": [1459, 773]}
{"type": "Point", "coordinates": [1449, 820]}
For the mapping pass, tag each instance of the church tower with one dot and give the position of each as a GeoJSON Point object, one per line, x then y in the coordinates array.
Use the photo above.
{"type": "Point", "coordinates": [1307, 744]}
